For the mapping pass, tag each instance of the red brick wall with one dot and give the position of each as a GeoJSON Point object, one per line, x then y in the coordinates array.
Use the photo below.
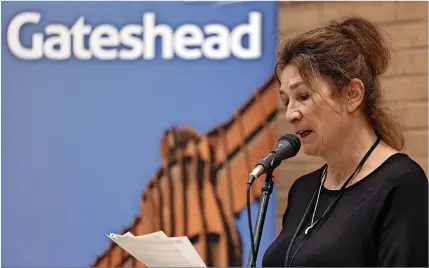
{"type": "Point", "coordinates": [405, 84]}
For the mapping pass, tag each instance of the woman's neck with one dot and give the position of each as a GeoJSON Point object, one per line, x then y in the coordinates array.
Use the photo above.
{"type": "Point", "coordinates": [343, 160]}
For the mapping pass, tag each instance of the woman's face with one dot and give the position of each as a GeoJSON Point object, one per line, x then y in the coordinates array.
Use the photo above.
{"type": "Point", "coordinates": [317, 124]}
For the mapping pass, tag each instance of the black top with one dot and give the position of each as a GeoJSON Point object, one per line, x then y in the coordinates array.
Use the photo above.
{"type": "Point", "coordinates": [381, 220]}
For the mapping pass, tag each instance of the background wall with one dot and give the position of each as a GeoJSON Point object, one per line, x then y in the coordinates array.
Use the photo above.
{"type": "Point", "coordinates": [405, 84]}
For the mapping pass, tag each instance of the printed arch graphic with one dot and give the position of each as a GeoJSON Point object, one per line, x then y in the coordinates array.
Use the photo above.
{"type": "Point", "coordinates": [200, 188]}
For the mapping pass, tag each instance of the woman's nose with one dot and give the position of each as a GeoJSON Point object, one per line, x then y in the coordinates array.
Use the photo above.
{"type": "Point", "coordinates": [292, 115]}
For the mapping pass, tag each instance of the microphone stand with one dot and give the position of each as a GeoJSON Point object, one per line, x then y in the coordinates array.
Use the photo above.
{"type": "Point", "coordinates": [266, 189]}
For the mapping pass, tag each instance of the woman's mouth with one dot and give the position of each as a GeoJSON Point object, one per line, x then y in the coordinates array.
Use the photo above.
{"type": "Point", "coordinates": [304, 133]}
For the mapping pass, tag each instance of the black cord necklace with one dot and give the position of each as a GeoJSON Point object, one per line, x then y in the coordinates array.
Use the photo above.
{"type": "Point", "coordinates": [312, 226]}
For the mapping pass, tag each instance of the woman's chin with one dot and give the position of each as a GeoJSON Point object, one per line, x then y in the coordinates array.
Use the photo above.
{"type": "Point", "coordinates": [309, 149]}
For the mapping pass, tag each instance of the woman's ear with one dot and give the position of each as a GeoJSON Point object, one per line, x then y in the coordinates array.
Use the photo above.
{"type": "Point", "coordinates": [355, 94]}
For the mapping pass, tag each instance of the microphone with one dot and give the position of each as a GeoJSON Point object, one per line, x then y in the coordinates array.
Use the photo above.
{"type": "Point", "coordinates": [287, 146]}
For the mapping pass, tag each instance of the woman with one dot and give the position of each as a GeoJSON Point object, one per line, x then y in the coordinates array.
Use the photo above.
{"type": "Point", "coordinates": [367, 206]}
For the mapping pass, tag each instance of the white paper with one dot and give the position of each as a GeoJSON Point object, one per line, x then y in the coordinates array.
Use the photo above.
{"type": "Point", "coordinates": [159, 250]}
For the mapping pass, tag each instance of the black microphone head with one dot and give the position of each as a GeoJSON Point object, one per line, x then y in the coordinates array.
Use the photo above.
{"type": "Point", "coordinates": [293, 140]}
{"type": "Point", "coordinates": [291, 145]}
{"type": "Point", "coordinates": [287, 146]}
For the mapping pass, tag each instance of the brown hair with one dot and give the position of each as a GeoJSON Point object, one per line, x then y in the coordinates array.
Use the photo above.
{"type": "Point", "coordinates": [341, 51]}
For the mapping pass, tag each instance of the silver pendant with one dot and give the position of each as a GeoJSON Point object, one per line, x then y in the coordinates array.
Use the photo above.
{"type": "Point", "coordinates": [308, 229]}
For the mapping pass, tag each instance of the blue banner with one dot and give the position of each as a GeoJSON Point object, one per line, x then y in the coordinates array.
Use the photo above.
{"type": "Point", "coordinates": [89, 90]}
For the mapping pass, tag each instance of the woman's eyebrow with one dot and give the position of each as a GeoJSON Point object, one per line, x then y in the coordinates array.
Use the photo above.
{"type": "Point", "coordinates": [296, 84]}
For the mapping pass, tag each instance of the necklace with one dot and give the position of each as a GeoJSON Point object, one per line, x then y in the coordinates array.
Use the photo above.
{"type": "Point", "coordinates": [313, 224]}
{"type": "Point", "coordinates": [317, 200]}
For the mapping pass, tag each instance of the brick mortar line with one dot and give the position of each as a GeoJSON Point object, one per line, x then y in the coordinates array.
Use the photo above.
{"type": "Point", "coordinates": [417, 130]}
{"type": "Point", "coordinates": [299, 3]}
{"type": "Point", "coordinates": [394, 22]}
{"type": "Point", "coordinates": [406, 74]}
{"type": "Point", "coordinates": [399, 103]}
{"type": "Point", "coordinates": [397, 21]}
{"type": "Point", "coordinates": [393, 50]}
{"type": "Point", "coordinates": [407, 103]}
{"type": "Point", "coordinates": [411, 75]}
{"type": "Point", "coordinates": [417, 48]}
{"type": "Point", "coordinates": [315, 4]}
{"type": "Point", "coordinates": [407, 129]}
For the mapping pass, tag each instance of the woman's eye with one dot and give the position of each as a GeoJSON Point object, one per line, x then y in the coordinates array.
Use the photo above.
{"type": "Point", "coordinates": [304, 97]}
{"type": "Point", "coordinates": [286, 102]}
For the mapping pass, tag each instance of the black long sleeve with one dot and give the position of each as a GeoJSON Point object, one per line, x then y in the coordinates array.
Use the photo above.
{"type": "Point", "coordinates": [402, 222]}
{"type": "Point", "coordinates": [382, 220]}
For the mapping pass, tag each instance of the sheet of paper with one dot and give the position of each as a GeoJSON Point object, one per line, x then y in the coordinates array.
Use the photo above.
{"type": "Point", "coordinates": [188, 250]}
{"type": "Point", "coordinates": [155, 235]}
{"type": "Point", "coordinates": [129, 234]}
{"type": "Point", "coordinates": [158, 250]}
{"type": "Point", "coordinates": [159, 234]}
